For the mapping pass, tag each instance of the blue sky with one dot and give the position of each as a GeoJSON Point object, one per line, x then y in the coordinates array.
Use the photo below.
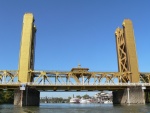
{"type": "Point", "coordinates": [70, 32]}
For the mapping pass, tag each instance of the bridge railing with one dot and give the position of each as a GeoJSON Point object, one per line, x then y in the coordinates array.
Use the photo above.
{"type": "Point", "coordinates": [77, 84]}
{"type": "Point", "coordinates": [91, 84]}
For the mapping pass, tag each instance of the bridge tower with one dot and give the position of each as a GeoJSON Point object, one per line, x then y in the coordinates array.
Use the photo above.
{"type": "Point", "coordinates": [26, 63]}
{"type": "Point", "coordinates": [126, 50]}
{"type": "Point", "coordinates": [127, 61]}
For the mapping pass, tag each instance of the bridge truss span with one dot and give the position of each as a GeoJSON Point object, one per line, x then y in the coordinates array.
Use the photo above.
{"type": "Point", "coordinates": [55, 77]}
{"type": "Point", "coordinates": [69, 77]}
{"type": "Point", "coordinates": [8, 76]}
{"type": "Point", "coordinates": [72, 81]}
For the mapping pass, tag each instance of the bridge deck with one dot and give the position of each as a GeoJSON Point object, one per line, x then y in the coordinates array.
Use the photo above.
{"type": "Point", "coordinates": [74, 87]}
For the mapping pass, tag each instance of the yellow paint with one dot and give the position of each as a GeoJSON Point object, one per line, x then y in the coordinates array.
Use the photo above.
{"type": "Point", "coordinates": [126, 50]}
{"type": "Point", "coordinates": [26, 61]}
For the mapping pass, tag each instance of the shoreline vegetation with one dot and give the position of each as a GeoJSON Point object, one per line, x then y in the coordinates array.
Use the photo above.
{"type": "Point", "coordinates": [6, 97]}
{"type": "Point", "coordinates": [60, 99]}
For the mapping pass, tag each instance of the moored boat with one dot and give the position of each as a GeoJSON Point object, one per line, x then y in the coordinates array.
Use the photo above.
{"type": "Point", "coordinates": [107, 102]}
{"type": "Point", "coordinates": [85, 101]}
{"type": "Point", "coordinates": [74, 100]}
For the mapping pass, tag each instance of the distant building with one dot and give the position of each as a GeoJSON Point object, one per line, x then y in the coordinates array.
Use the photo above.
{"type": "Point", "coordinates": [102, 97]}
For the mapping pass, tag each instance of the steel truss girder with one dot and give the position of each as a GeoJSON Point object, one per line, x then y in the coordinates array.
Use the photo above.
{"type": "Point", "coordinates": [57, 77]}
{"type": "Point", "coordinates": [122, 53]}
{"type": "Point", "coordinates": [8, 76]}
{"type": "Point", "coordinates": [145, 77]}
{"type": "Point", "coordinates": [78, 78]}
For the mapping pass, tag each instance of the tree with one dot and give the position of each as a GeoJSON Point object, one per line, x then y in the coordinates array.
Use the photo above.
{"type": "Point", "coordinates": [68, 100]}
{"type": "Point", "coordinates": [86, 96]}
{"type": "Point", "coordinates": [78, 96]}
{"type": "Point", "coordinates": [6, 97]}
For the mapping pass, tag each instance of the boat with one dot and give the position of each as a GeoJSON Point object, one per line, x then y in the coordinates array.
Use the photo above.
{"type": "Point", "coordinates": [74, 100]}
{"type": "Point", "coordinates": [45, 101]}
{"type": "Point", "coordinates": [85, 101]}
{"type": "Point", "coordinates": [107, 102]}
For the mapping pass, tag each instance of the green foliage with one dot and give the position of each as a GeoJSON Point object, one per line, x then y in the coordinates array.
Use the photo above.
{"type": "Point", "coordinates": [78, 96]}
{"type": "Point", "coordinates": [6, 97]}
{"type": "Point", "coordinates": [52, 100]}
{"type": "Point", "coordinates": [69, 98]}
{"type": "Point", "coordinates": [86, 96]}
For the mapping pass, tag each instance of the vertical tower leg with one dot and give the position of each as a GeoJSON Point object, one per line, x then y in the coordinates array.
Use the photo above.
{"type": "Point", "coordinates": [26, 59]}
{"type": "Point", "coordinates": [126, 51]}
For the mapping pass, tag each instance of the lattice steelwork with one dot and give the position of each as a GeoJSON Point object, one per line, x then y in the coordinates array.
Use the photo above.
{"type": "Point", "coordinates": [70, 80]}
{"type": "Point", "coordinates": [7, 76]}
{"type": "Point", "coordinates": [126, 51]}
{"type": "Point", "coordinates": [145, 77]}
{"type": "Point", "coordinates": [121, 51]}
{"type": "Point", "coordinates": [68, 77]}
{"type": "Point", "coordinates": [57, 77]}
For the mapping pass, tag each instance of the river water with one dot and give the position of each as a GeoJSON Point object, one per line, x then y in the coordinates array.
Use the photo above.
{"type": "Point", "coordinates": [76, 108]}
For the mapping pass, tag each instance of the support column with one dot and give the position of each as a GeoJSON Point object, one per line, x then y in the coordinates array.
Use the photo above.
{"type": "Point", "coordinates": [28, 97]}
{"type": "Point", "coordinates": [147, 96]}
{"type": "Point", "coordinates": [131, 95]}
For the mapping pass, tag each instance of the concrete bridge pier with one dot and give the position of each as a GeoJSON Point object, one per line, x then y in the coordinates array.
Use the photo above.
{"type": "Point", "coordinates": [131, 95]}
{"type": "Point", "coordinates": [27, 97]}
{"type": "Point", "coordinates": [147, 96]}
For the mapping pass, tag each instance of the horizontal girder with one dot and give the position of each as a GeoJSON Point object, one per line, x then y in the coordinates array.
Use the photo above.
{"type": "Point", "coordinates": [72, 87]}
